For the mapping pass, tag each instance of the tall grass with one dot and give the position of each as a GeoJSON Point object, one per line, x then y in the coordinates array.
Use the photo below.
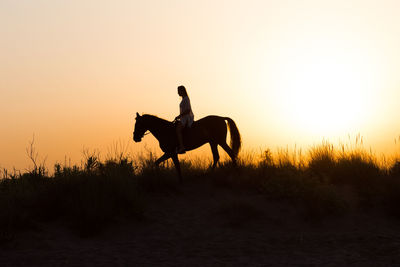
{"type": "Point", "coordinates": [90, 197]}
{"type": "Point", "coordinates": [85, 198]}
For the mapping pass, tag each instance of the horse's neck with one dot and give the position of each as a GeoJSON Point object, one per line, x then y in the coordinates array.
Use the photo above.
{"type": "Point", "coordinates": [160, 128]}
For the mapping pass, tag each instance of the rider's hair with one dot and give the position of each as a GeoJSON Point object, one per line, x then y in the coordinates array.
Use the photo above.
{"type": "Point", "coordinates": [183, 89]}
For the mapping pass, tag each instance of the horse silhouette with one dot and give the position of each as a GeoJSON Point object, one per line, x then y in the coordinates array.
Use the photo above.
{"type": "Point", "coordinates": [210, 129]}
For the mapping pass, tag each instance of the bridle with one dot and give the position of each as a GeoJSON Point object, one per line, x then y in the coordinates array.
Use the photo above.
{"type": "Point", "coordinates": [145, 133]}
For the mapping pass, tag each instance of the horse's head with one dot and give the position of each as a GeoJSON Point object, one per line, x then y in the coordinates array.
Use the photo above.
{"type": "Point", "coordinates": [140, 128]}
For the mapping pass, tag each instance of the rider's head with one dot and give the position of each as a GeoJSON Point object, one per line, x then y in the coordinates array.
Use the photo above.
{"type": "Point", "coordinates": [182, 90]}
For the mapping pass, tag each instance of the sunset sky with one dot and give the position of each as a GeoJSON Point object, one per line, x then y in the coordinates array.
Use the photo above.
{"type": "Point", "coordinates": [74, 73]}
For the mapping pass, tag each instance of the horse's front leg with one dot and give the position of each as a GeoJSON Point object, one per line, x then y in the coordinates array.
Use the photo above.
{"type": "Point", "coordinates": [177, 166]}
{"type": "Point", "coordinates": [162, 158]}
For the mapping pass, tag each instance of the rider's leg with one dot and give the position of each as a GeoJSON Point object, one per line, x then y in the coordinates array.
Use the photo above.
{"type": "Point", "coordinates": [179, 129]}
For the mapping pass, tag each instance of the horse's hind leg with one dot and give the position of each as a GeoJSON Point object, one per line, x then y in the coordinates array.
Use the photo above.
{"type": "Point", "coordinates": [177, 166]}
{"type": "Point", "coordinates": [214, 150]}
{"type": "Point", "coordinates": [228, 150]}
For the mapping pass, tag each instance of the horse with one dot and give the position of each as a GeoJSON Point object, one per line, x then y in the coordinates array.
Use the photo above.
{"type": "Point", "coordinates": [211, 129]}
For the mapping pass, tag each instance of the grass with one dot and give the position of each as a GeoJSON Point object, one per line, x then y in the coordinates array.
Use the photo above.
{"type": "Point", "coordinates": [87, 199]}
{"type": "Point", "coordinates": [90, 197]}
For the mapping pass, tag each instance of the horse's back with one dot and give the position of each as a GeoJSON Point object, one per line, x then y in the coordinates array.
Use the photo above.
{"type": "Point", "coordinates": [210, 118]}
{"type": "Point", "coordinates": [211, 123]}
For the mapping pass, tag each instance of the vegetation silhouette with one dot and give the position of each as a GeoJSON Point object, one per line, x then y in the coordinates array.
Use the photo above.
{"type": "Point", "coordinates": [328, 184]}
{"type": "Point", "coordinates": [210, 129]}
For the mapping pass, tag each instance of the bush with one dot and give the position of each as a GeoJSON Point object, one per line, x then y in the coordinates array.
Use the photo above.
{"type": "Point", "coordinates": [88, 198]}
{"type": "Point", "coordinates": [91, 197]}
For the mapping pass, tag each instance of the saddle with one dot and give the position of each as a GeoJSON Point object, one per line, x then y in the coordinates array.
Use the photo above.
{"type": "Point", "coordinates": [188, 130]}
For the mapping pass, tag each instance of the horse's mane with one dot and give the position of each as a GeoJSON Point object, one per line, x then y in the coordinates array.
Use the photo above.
{"type": "Point", "coordinates": [155, 118]}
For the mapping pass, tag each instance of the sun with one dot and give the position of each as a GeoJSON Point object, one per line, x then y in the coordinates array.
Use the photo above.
{"type": "Point", "coordinates": [324, 93]}
{"type": "Point", "coordinates": [325, 98]}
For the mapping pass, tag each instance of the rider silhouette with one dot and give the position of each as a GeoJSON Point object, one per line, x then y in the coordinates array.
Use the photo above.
{"type": "Point", "coordinates": [185, 118]}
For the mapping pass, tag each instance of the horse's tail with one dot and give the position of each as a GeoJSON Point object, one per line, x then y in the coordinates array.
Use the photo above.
{"type": "Point", "coordinates": [236, 140]}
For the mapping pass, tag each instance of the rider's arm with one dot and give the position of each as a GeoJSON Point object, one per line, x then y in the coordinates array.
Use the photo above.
{"type": "Point", "coordinates": [184, 113]}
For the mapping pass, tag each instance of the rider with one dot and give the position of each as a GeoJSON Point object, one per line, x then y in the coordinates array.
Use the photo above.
{"type": "Point", "coordinates": [185, 118]}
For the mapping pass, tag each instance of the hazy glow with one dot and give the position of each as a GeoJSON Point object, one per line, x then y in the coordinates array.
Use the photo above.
{"type": "Point", "coordinates": [328, 92]}
{"type": "Point", "coordinates": [74, 73]}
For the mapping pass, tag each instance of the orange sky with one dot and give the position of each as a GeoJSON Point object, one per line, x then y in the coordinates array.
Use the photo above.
{"type": "Point", "coordinates": [74, 73]}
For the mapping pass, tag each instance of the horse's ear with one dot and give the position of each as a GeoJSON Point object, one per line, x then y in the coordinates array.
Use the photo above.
{"type": "Point", "coordinates": [137, 115]}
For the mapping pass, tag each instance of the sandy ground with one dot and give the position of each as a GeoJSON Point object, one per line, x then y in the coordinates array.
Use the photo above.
{"type": "Point", "coordinates": [203, 225]}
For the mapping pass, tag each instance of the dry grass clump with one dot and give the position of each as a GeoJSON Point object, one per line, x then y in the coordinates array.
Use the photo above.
{"type": "Point", "coordinates": [88, 198]}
